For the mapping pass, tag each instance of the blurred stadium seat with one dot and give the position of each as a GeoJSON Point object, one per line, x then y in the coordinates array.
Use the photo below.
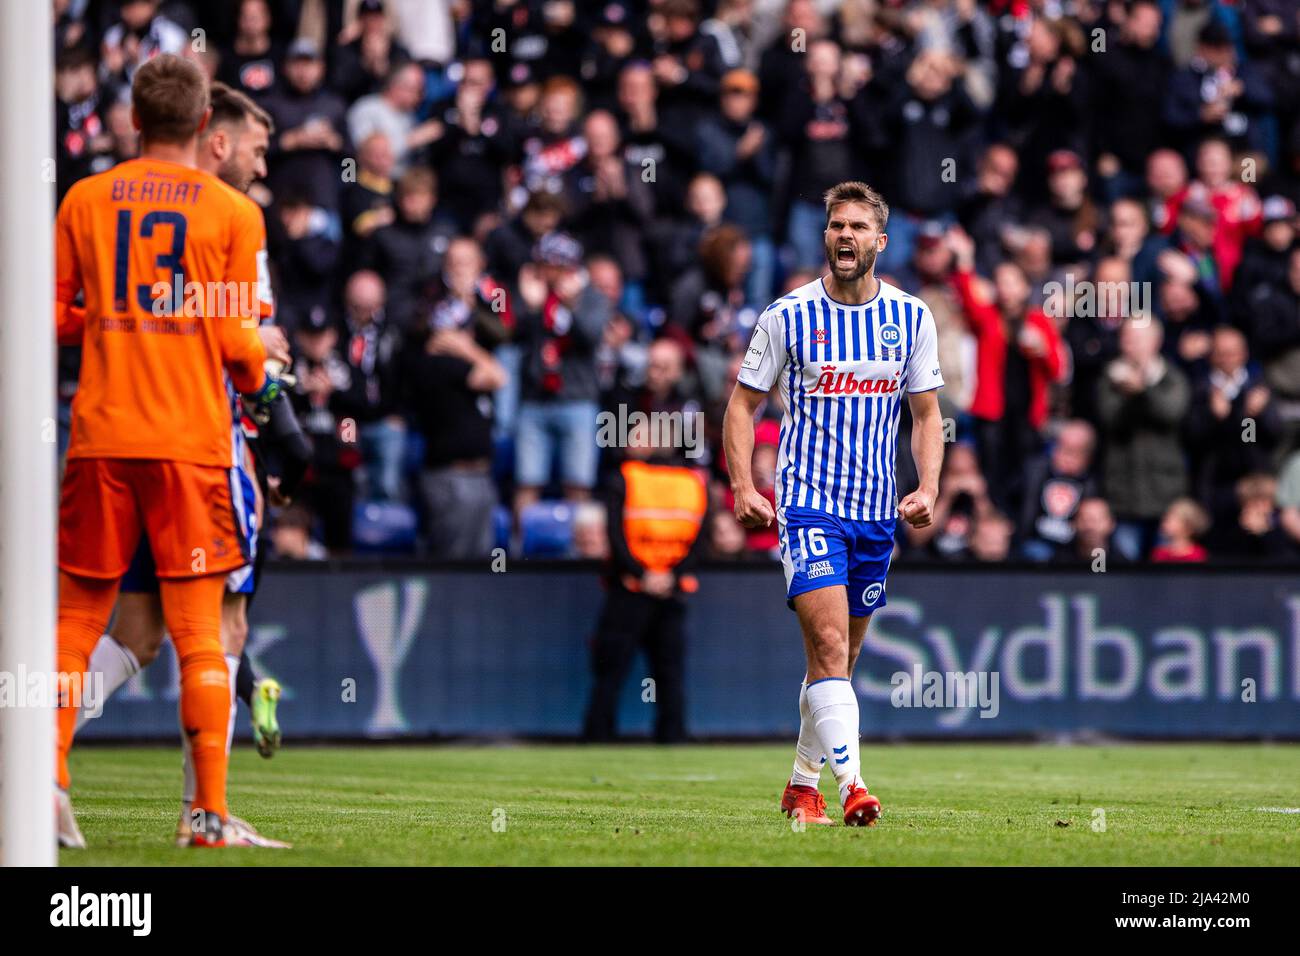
{"type": "Point", "coordinates": [501, 527]}
{"type": "Point", "coordinates": [547, 529]}
{"type": "Point", "coordinates": [387, 527]}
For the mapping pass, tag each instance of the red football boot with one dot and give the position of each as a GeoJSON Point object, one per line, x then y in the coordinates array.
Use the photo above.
{"type": "Point", "coordinates": [861, 809]}
{"type": "Point", "coordinates": [805, 804]}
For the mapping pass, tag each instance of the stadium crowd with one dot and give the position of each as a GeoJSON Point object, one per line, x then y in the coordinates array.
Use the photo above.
{"type": "Point", "coordinates": [490, 220]}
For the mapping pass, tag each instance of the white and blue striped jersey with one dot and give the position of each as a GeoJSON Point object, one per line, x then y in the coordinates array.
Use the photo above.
{"type": "Point", "coordinates": [842, 372]}
{"type": "Point", "coordinates": [241, 479]}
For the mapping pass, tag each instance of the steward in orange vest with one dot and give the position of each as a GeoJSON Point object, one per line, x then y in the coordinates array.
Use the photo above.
{"type": "Point", "coordinates": [656, 514]}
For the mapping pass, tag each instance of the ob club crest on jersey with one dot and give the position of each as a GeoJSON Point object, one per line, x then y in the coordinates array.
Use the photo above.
{"type": "Point", "coordinates": [890, 339]}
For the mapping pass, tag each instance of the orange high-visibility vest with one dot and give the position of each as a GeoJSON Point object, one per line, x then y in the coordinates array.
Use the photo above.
{"type": "Point", "coordinates": [663, 512]}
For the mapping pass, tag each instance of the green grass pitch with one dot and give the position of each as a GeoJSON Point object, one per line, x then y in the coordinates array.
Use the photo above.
{"type": "Point", "coordinates": [944, 804]}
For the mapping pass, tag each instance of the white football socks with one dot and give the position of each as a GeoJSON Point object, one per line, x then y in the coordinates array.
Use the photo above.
{"type": "Point", "coordinates": [232, 665]}
{"type": "Point", "coordinates": [808, 755]}
{"type": "Point", "coordinates": [834, 708]}
{"type": "Point", "coordinates": [118, 665]}
{"type": "Point", "coordinates": [189, 782]}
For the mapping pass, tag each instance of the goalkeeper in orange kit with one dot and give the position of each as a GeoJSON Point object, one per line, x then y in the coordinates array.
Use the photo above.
{"type": "Point", "coordinates": [166, 257]}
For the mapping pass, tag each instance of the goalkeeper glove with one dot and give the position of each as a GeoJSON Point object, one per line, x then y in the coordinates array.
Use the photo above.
{"type": "Point", "coordinates": [272, 385]}
{"type": "Point", "coordinates": [265, 395]}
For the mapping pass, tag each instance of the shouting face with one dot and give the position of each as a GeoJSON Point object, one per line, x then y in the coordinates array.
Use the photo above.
{"type": "Point", "coordinates": [853, 240]}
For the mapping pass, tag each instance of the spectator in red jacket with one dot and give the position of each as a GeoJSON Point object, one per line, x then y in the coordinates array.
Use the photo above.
{"type": "Point", "coordinates": [766, 435]}
{"type": "Point", "coordinates": [1238, 212]}
{"type": "Point", "coordinates": [1018, 353]}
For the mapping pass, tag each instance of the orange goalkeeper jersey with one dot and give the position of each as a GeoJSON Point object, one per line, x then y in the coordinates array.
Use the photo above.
{"type": "Point", "coordinates": [172, 263]}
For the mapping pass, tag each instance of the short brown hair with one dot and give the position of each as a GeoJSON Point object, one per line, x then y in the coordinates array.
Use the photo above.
{"type": "Point", "coordinates": [857, 192]}
{"type": "Point", "coordinates": [1258, 484]}
{"type": "Point", "coordinates": [231, 107]}
{"type": "Point", "coordinates": [689, 9]}
{"type": "Point", "coordinates": [170, 97]}
{"type": "Point", "coordinates": [544, 202]}
{"type": "Point", "coordinates": [716, 246]}
{"type": "Point", "coordinates": [564, 84]}
{"type": "Point", "coordinates": [1194, 516]}
{"type": "Point", "coordinates": [417, 179]}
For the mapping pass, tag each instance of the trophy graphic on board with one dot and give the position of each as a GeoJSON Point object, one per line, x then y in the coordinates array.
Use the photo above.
{"type": "Point", "coordinates": [386, 623]}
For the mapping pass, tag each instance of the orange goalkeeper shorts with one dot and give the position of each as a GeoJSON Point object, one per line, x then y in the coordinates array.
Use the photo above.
{"type": "Point", "coordinates": [186, 510]}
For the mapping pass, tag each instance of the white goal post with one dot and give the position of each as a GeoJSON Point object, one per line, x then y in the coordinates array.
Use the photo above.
{"type": "Point", "coordinates": [28, 477]}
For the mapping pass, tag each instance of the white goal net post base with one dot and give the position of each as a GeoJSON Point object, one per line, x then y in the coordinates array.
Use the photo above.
{"type": "Point", "coordinates": [28, 432]}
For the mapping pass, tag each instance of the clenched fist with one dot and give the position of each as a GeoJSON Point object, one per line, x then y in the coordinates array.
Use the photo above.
{"type": "Point", "coordinates": [917, 509]}
{"type": "Point", "coordinates": [753, 510]}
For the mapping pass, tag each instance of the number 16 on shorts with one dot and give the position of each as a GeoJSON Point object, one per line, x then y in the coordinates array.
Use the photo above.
{"type": "Point", "coordinates": [812, 558]}
{"type": "Point", "coordinates": [812, 544]}
{"type": "Point", "coordinates": [820, 549]}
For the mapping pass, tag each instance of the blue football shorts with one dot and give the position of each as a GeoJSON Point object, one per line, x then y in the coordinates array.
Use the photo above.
{"type": "Point", "coordinates": [821, 550]}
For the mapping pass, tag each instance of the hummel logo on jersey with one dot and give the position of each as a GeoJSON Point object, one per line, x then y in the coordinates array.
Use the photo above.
{"type": "Point", "coordinates": [834, 382]}
{"type": "Point", "coordinates": [820, 336]}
